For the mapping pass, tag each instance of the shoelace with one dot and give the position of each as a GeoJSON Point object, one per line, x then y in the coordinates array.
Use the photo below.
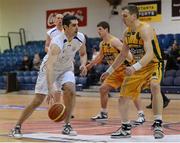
{"type": "Point", "coordinates": [156, 124]}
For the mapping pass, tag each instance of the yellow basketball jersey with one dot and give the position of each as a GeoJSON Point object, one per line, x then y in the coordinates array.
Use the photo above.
{"type": "Point", "coordinates": [136, 44]}
{"type": "Point", "coordinates": [110, 53]}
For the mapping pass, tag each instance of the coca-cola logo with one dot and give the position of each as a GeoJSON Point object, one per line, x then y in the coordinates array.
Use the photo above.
{"type": "Point", "coordinates": [80, 13]}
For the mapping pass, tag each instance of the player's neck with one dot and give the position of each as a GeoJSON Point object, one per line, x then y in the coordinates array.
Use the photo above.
{"type": "Point", "coordinates": [135, 25]}
{"type": "Point", "coordinates": [68, 36]}
{"type": "Point", "coordinates": [60, 28]}
{"type": "Point", "coordinates": [106, 37]}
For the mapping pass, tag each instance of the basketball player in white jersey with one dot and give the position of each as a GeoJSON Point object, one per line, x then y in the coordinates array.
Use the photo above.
{"type": "Point", "coordinates": [53, 32]}
{"type": "Point", "coordinates": [57, 69]}
{"type": "Point", "coordinates": [60, 67]}
{"type": "Point", "coordinates": [40, 96]}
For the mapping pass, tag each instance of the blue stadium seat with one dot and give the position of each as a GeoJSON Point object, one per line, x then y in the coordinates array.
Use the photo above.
{"type": "Point", "coordinates": [171, 38]}
{"type": "Point", "coordinates": [178, 73]}
{"type": "Point", "coordinates": [3, 82]}
{"type": "Point", "coordinates": [170, 73]}
{"type": "Point", "coordinates": [27, 73]}
{"type": "Point", "coordinates": [19, 73]}
{"type": "Point", "coordinates": [20, 79]}
{"type": "Point", "coordinates": [33, 78]}
{"type": "Point", "coordinates": [177, 38]}
{"type": "Point", "coordinates": [168, 81]}
{"type": "Point", "coordinates": [33, 73]}
{"type": "Point", "coordinates": [83, 80]}
{"type": "Point", "coordinates": [162, 36]}
{"type": "Point", "coordinates": [99, 69]}
{"type": "Point", "coordinates": [77, 79]}
{"type": "Point", "coordinates": [161, 43]}
{"type": "Point", "coordinates": [177, 81]}
{"type": "Point", "coordinates": [27, 79]}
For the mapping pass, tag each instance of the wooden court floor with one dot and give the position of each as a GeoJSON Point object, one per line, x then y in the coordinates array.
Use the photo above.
{"type": "Point", "coordinates": [11, 106]}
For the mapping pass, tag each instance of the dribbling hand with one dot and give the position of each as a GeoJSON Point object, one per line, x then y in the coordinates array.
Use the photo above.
{"type": "Point", "coordinates": [83, 70]}
{"type": "Point", "coordinates": [50, 98]}
{"type": "Point", "coordinates": [104, 76]}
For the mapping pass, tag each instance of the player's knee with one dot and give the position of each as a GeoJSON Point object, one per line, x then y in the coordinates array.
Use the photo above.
{"type": "Point", "coordinates": [122, 100]}
{"type": "Point", "coordinates": [38, 100]}
{"type": "Point", "coordinates": [69, 90]}
{"type": "Point", "coordinates": [103, 89]}
{"type": "Point", "coordinates": [155, 87]}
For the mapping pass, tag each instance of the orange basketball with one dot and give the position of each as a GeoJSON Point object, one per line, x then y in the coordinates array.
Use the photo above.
{"type": "Point", "coordinates": [57, 112]}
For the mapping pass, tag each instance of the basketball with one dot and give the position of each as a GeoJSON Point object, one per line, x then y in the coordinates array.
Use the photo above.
{"type": "Point", "coordinates": [57, 112]}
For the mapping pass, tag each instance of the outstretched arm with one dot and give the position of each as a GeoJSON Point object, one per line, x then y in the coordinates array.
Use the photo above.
{"type": "Point", "coordinates": [147, 36]}
{"type": "Point", "coordinates": [53, 53]}
{"type": "Point", "coordinates": [119, 45]}
{"type": "Point", "coordinates": [83, 58]}
{"type": "Point", "coordinates": [97, 60]}
{"type": "Point", "coordinates": [119, 59]}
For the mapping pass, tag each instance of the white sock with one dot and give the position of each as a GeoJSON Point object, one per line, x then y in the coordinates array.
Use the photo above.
{"type": "Point", "coordinates": [128, 122]}
{"type": "Point", "coordinates": [104, 110]}
{"type": "Point", "coordinates": [157, 117]}
{"type": "Point", "coordinates": [141, 112]}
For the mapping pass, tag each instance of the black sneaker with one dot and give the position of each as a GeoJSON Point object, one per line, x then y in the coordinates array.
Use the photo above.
{"type": "Point", "coordinates": [68, 130]}
{"type": "Point", "coordinates": [149, 106]}
{"type": "Point", "coordinates": [140, 120]}
{"type": "Point", "coordinates": [158, 131]}
{"type": "Point", "coordinates": [102, 116]}
{"type": "Point", "coordinates": [165, 103]}
{"type": "Point", "coordinates": [16, 132]}
{"type": "Point", "coordinates": [123, 132]}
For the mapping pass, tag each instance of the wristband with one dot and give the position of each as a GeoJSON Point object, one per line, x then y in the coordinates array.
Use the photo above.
{"type": "Point", "coordinates": [110, 70]}
{"type": "Point", "coordinates": [137, 66]}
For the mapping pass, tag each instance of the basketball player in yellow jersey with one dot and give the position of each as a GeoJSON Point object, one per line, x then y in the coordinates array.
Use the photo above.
{"type": "Point", "coordinates": [110, 47]}
{"type": "Point", "coordinates": [141, 40]}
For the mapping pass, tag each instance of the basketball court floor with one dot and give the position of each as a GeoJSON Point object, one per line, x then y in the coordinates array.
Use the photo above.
{"type": "Point", "coordinates": [39, 128]}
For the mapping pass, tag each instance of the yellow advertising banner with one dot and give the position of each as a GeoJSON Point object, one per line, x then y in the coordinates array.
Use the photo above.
{"type": "Point", "coordinates": [149, 11]}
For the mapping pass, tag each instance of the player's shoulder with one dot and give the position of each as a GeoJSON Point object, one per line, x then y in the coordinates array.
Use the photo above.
{"type": "Point", "coordinates": [127, 29]}
{"type": "Point", "coordinates": [80, 36]}
{"type": "Point", "coordinates": [50, 31]}
{"type": "Point", "coordinates": [145, 26]}
{"type": "Point", "coordinates": [58, 39]}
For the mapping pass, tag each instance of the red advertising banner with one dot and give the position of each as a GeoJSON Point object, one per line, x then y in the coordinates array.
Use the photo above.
{"type": "Point", "coordinates": [80, 13]}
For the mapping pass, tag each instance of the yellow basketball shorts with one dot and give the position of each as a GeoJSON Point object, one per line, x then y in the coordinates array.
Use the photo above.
{"type": "Point", "coordinates": [115, 80]}
{"type": "Point", "coordinates": [132, 85]}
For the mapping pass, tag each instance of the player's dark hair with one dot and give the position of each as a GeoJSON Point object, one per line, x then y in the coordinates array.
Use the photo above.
{"type": "Point", "coordinates": [67, 19]}
{"type": "Point", "coordinates": [104, 25]}
{"type": "Point", "coordinates": [132, 9]}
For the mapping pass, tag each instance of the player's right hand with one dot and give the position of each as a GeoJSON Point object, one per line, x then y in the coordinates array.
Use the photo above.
{"type": "Point", "coordinates": [104, 76]}
{"type": "Point", "coordinates": [50, 97]}
{"type": "Point", "coordinates": [88, 66]}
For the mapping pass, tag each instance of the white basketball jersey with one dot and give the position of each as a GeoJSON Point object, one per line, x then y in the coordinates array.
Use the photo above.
{"type": "Point", "coordinates": [53, 32]}
{"type": "Point", "coordinates": [67, 51]}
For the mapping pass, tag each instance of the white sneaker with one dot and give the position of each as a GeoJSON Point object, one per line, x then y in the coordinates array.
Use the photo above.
{"type": "Point", "coordinates": [68, 130]}
{"type": "Point", "coordinates": [102, 116]}
{"type": "Point", "coordinates": [16, 132]}
{"type": "Point", "coordinates": [140, 120]}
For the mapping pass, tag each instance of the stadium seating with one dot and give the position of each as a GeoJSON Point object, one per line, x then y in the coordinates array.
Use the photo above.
{"type": "Point", "coordinates": [10, 60]}
{"type": "Point", "coordinates": [170, 73]}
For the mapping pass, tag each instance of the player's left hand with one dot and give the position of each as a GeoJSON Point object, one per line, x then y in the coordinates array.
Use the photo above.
{"type": "Point", "coordinates": [129, 70]}
{"type": "Point", "coordinates": [104, 76]}
{"type": "Point", "coordinates": [83, 70]}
